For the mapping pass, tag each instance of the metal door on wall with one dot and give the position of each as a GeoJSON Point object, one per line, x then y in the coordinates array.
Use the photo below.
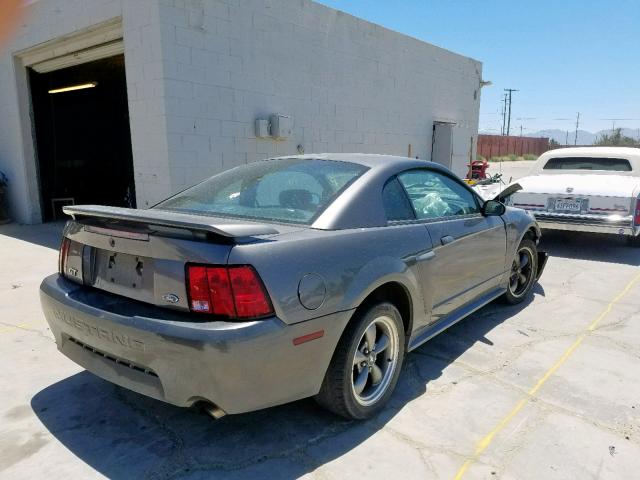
{"type": "Point", "coordinates": [452, 147]}
{"type": "Point", "coordinates": [442, 144]}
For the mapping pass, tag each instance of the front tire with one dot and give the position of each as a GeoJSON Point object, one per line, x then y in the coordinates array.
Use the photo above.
{"type": "Point", "coordinates": [523, 273]}
{"type": "Point", "coordinates": [366, 365]}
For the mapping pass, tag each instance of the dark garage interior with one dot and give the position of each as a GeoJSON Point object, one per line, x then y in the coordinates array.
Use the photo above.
{"type": "Point", "coordinates": [83, 137]}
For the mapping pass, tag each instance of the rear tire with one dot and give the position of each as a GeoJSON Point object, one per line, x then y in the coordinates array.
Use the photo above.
{"type": "Point", "coordinates": [361, 379]}
{"type": "Point", "coordinates": [523, 272]}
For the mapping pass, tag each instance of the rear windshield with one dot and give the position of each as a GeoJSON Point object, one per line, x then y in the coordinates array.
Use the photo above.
{"type": "Point", "coordinates": [284, 190]}
{"type": "Point", "coordinates": [588, 163]}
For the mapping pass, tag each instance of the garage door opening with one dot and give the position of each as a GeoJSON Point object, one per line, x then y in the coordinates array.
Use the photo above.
{"type": "Point", "coordinates": [83, 138]}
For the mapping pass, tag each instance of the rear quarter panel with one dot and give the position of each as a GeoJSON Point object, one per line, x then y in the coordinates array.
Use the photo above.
{"type": "Point", "coordinates": [351, 262]}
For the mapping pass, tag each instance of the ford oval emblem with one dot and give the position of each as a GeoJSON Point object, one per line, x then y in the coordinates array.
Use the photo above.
{"type": "Point", "coordinates": [569, 189]}
{"type": "Point", "coordinates": [171, 298]}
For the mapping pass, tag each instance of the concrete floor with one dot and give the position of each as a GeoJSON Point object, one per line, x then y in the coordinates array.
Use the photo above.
{"type": "Point", "coordinates": [467, 399]}
{"type": "Point", "coordinates": [511, 170]}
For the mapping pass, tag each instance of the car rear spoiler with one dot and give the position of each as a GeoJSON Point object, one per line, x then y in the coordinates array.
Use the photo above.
{"type": "Point", "coordinates": [507, 192]}
{"type": "Point", "coordinates": [164, 218]}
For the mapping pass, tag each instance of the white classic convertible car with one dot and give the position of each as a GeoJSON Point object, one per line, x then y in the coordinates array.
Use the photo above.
{"type": "Point", "coordinates": [586, 189]}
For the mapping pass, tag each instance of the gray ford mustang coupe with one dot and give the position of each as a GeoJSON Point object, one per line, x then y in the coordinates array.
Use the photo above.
{"type": "Point", "coordinates": [283, 279]}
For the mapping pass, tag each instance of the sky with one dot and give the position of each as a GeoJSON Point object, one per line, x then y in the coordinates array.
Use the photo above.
{"type": "Point", "coordinates": [563, 56]}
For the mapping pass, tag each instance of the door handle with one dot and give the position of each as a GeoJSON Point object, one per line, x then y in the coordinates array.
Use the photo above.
{"type": "Point", "coordinates": [447, 239]}
{"type": "Point", "coordinates": [426, 256]}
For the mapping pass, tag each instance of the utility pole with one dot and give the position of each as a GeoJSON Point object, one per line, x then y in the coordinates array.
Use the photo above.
{"type": "Point", "coordinates": [510, 91]}
{"type": "Point", "coordinates": [520, 129]}
{"type": "Point", "coordinates": [575, 139]}
{"type": "Point", "coordinates": [566, 139]}
{"type": "Point", "coordinates": [504, 113]}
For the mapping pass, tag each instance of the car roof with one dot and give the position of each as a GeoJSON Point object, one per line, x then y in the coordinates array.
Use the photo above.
{"type": "Point", "coordinates": [360, 206]}
{"type": "Point", "coordinates": [627, 153]}
{"type": "Point", "coordinates": [623, 152]}
{"type": "Point", "coordinates": [369, 160]}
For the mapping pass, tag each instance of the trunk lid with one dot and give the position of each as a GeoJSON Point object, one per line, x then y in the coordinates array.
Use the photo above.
{"type": "Point", "coordinates": [620, 186]}
{"type": "Point", "coordinates": [141, 254]}
{"type": "Point", "coordinates": [580, 194]}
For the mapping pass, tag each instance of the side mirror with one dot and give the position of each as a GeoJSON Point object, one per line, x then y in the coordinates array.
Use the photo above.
{"type": "Point", "coordinates": [493, 208]}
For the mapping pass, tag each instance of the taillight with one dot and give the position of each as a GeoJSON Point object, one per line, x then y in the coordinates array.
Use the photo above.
{"type": "Point", "coordinates": [636, 214]}
{"type": "Point", "coordinates": [235, 292]}
{"type": "Point", "coordinates": [222, 302]}
{"type": "Point", "coordinates": [62, 255]}
{"type": "Point", "coordinates": [199, 297]}
{"type": "Point", "coordinates": [249, 295]}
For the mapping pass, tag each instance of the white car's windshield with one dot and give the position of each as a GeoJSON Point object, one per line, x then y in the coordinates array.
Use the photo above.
{"type": "Point", "coordinates": [284, 190]}
{"type": "Point", "coordinates": [588, 163]}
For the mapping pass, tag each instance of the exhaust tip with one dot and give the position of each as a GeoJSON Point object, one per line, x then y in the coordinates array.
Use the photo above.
{"type": "Point", "coordinates": [213, 411]}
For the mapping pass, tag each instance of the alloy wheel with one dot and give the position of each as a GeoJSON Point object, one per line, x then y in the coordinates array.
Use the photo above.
{"type": "Point", "coordinates": [375, 361]}
{"type": "Point", "coordinates": [521, 272]}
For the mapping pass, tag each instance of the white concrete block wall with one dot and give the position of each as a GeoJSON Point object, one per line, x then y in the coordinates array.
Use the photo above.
{"type": "Point", "coordinates": [48, 20]}
{"type": "Point", "coordinates": [199, 73]}
{"type": "Point", "coordinates": [350, 85]}
{"type": "Point", "coordinates": [144, 68]}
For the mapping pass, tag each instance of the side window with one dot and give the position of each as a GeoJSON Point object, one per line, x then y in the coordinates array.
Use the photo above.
{"type": "Point", "coordinates": [395, 201]}
{"type": "Point", "coordinates": [434, 195]}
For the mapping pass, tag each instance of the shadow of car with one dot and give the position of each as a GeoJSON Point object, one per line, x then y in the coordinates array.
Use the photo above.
{"type": "Point", "coordinates": [46, 235]}
{"type": "Point", "coordinates": [122, 434]}
{"type": "Point", "coordinates": [594, 247]}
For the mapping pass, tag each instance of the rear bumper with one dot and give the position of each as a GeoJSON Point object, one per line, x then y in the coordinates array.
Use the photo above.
{"type": "Point", "coordinates": [613, 224]}
{"type": "Point", "coordinates": [239, 367]}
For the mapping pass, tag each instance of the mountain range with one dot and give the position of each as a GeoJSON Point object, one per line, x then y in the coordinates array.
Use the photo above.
{"type": "Point", "coordinates": [584, 137]}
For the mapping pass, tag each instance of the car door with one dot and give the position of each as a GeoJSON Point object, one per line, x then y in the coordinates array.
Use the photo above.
{"type": "Point", "coordinates": [469, 248]}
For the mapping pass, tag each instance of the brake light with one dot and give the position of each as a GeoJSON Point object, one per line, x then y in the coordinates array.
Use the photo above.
{"type": "Point", "coordinates": [249, 295]}
{"type": "Point", "coordinates": [235, 292]}
{"type": "Point", "coordinates": [199, 297]}
{"type": "Point", "coordinates": [636, 215]}
{"type": "Point", "coordinates": [222, 301]}
{"type": "Point", "coordinates": [62, 255]}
